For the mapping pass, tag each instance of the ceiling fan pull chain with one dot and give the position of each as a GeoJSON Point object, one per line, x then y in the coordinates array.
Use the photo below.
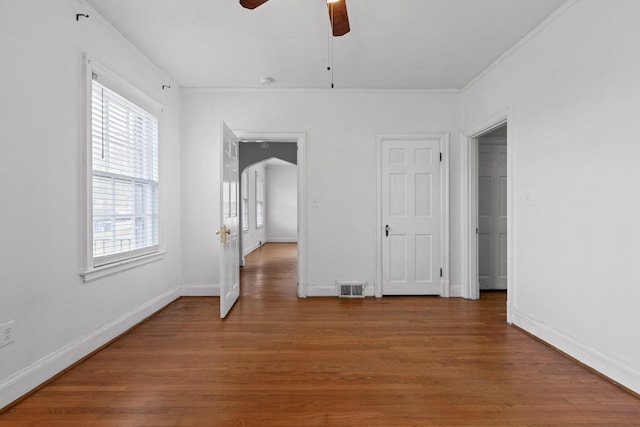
{"type": "Point", "coordinates": [331, 43]}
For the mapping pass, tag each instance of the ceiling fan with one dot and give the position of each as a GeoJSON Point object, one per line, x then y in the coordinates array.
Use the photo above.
{"type": "Point", "coordinates": [337, 14]}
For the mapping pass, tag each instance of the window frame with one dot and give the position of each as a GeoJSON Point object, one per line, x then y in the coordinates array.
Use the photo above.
{"type": "Point", "coordinates": [259, 200]}
{"type": "Point", "coordinates": [244, 200]}
{"type": "Point", "coordinates": [97, 267]}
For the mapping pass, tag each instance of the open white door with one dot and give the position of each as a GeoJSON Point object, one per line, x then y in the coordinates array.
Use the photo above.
{"type": "Point", "coordinates": [229, 216]}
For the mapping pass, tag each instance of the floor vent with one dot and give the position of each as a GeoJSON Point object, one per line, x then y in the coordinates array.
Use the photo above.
{"type": "Point", "coordinates": [351, 289]}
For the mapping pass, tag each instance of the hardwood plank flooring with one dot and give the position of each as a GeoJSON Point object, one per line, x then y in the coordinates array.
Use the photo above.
{"type": "Point", "coordinates": [282, 361]}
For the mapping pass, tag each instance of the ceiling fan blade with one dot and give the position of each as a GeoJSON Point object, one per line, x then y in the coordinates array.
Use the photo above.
{"type": "Point", "coordinates": [338, 17]}
{"type": "Point", "coordinates": [252, 4]}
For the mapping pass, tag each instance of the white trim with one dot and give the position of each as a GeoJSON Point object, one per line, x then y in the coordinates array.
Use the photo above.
{"type": "Point", "coordinates": [281, 240]}
{"type": "Point", "coordinates": [444, 218]}
{"type": "Point", "coordinates": [201, 290]}
{"type": "Point", "coordinates": [445, 290]}
{"type": "Point", "coordinates": [469, 214]}
{"type": "Point", "coordinates": [122, 87]}
{"type": "Point", "coordinates": [455, 290]}
{"type": "Point", "coordinates": [215, 90]}
{"type": "Point", "coordinates": [27, 379]}
{"type": "Point", "coordinates": [322, 290]}
{"type": "Point", "coordinates": [607, 365]}
{"type": "Point", "coordinates": [115, 267]}
{"type": "Point", "coordinates": [333, 291]}
{"type": "Point", "coordinates": [301, 139]}
{"type": "Point", "coordinates": [87, 170]}
{"type": "Point", "coordinates": [258, 198]}
{"type": "Point", "coordinates": [247, 251]}
{"type": "Point", "coordinates": [92, 267]}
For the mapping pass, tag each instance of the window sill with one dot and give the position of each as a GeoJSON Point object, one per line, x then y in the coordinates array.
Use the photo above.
{"type": "Point", "coordinates": [91, 274]}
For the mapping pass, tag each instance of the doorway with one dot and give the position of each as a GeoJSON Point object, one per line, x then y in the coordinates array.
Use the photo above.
{"type": "Point", "coordinates": [492, 210]}
{"type": "Point", "coordinates": [277, 146]}
{"type": "Point", "coordinates": [493, 214]}
{"type": "Point", "coordinates": [268, 203]}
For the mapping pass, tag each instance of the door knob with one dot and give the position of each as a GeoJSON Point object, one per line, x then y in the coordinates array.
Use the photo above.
{"type": "Point", "coordinates": [222, 232]}
{"type": "Point", "coordinates": [386, 230]}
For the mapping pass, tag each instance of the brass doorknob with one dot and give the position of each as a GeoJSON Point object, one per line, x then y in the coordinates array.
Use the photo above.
{"type": "Point", "coordinates": [222, 232]}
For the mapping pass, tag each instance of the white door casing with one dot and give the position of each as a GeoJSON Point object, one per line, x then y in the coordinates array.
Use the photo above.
{"type": "Point", "coordinates": [413, 215]}
{"type": "Point", "coordinates": [492, 214]}
{"type": "Point", "coordinates": [228, 234]}
{"type": "Point", "coordinates": [300, 138]}
{"type": "Point", "coordinates": [469, 213]}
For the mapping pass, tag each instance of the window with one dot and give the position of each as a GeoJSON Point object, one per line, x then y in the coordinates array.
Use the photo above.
{"type": "Point", "coordinates": [259, 201]}
{"type": "Point", "coordinates": [244, 196]}
{"type": "Point", "coordinates": [124, 176]}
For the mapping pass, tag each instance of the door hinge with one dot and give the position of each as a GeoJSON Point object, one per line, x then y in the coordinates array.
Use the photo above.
{"type": "Point", "coordinates": [440, 272]}
{"type": "Point", "coordinates": [477, 230]}
{"type": "Point", "coordinates": [440, 156]}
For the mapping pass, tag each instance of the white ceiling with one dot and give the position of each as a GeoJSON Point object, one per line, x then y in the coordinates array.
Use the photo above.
{"type": "Point", "coordinates": [393, 44]}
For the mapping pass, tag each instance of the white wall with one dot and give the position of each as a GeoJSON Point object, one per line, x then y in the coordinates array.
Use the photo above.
{"type": "Point", "coordinates": [575, 93]}
{"type": "Point", "coordinates": [575, 96]}
{"type": "Point", "coordinates": [254, 235]}
{"type": "Point", "coordinates": [59, 318]}
{"type": "Point", "coordinates": [341, 129]}
{"type": "Point", "coordinates": [282, 203]}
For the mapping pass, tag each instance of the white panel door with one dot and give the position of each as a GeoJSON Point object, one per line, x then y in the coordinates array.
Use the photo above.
{"type": "Point", "coordinates": [228, 232]}
{"type": "Point", "coordinates": [410, 174]}
{"type": "Point", "coordinates": [492, 216]}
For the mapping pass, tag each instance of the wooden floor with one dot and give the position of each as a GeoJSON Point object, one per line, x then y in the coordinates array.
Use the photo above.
{"type": "Point", "coordinates": [282, 361]}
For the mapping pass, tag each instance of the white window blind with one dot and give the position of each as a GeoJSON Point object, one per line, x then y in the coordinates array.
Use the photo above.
{"type": "Point", "coordinates": [124, 139]}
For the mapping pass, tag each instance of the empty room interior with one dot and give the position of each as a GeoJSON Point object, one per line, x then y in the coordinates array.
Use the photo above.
{"type": "Point", "coordinates": [318, 212]}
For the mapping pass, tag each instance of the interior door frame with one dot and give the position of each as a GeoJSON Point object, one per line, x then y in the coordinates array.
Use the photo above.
{"type": "Point", "coordinates": [469, 214]}
{"type": "Point", "coordinates": [445, 287]}
{"type": "Point", "coordinates": [300, 138]}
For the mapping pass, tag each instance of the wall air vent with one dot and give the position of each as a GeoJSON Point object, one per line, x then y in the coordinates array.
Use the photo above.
{"type": "Point", "coordinates": [351, 289]}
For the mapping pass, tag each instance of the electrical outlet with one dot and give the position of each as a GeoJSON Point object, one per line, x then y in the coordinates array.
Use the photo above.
{"type": "Point", "coordinates": [7, 332]}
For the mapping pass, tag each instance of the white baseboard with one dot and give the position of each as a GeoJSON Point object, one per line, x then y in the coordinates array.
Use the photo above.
{"type": "Point", "coordinates": [206, 290]}
{"type": "Point", "coordinates": [332, 290]}
{"type": "Point", "coordinates": [455, 290]}
{"type": "Point", "coordinates": [247, 251]}
{"type": "Point", "coordinates": [322, 290]}
{"type": "Point", "coordinates": [282, 239]}
{"type": "Point", "coordinates": [22, 382]}
{"type": "Point", "coordinates": [608, 366]}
